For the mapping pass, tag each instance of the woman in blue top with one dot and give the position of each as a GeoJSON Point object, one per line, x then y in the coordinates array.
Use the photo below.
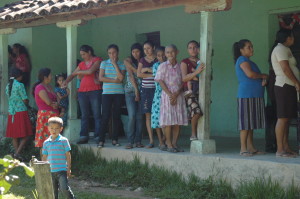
{"type": "Point", "coordinates": [18, 124]}
{"type": "Point", "coordinates": [251, 113]}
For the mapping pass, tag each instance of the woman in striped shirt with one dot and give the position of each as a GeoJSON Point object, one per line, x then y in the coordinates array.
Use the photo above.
{"type": "Point", "coordinates": [148, 85]}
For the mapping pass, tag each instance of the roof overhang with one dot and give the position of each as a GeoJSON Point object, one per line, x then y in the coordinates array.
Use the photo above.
{"type": "Point", "coordinates": [37, 14]}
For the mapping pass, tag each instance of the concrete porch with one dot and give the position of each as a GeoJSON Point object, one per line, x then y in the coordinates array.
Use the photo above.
{"type": "Point", "coordinates": [226, 163]}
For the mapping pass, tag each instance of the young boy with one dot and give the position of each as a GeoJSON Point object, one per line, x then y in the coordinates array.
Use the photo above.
{"type": "Point", "coordinates": [56, 150]}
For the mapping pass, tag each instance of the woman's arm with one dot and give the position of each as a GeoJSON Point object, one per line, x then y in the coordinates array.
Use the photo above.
{"type": "Point", "coordinates": [134, 83]}
{"type": "Point", "coordinates": [128, 64]}
{"type": "Point", "coordinates": [102, 78]}
{"type": "Point", "coordinates": [289, 73]}
{"type": "Point", "coordinates": [71, 77]}
{"type": "Point", "coordinates": [91, 70]}
{"type": "Point", "coordinates": [188, 77]}
{"type": "Point", "coordinates": [120, 74]}
{"type": "Point", "coordinates": [140, 74]}
{"type": "Point", "coordinates": [44, 96]}
{"type": "Point", "coordinates": [245, 66]}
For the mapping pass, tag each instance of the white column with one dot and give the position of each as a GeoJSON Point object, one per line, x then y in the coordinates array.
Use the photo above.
{"type": "Point", "coordinates": [4, 77]}
{"type": "Point", "coordinates": [73, 128]}
{"type": "Point", "coordinates": [205, 145]}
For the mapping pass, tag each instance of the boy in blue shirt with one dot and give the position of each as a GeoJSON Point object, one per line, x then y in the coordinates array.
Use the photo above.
{"type": "Point", "coordinates": [56, 150]}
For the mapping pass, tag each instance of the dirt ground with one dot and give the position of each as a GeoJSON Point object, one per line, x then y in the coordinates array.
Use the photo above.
{"type": "Point", "coordinates": [111, 190]}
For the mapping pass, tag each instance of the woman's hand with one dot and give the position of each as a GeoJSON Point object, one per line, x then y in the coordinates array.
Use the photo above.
{"type": "Point", "coordinates": [264, 82]}
{"type": "Point", "coordinates": [54, 105]}
{"type": "Point", "coordinates": [200, 68]}
{"type": "Point", "coordinates": [137, 95]}
{"type": "Point", "coordinates": [297, 86]}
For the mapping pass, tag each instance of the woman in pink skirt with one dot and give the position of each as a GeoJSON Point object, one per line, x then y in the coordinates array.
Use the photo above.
{"type": "Point", "coordinates": [18, 124]}
{"type": "Point", "coordinates": [173, 111]}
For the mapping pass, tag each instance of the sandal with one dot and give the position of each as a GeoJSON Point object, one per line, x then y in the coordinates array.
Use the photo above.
{"type": "Point", "coordinates": [163, 147]}
{"type": "Point", "coordinates": [139, 145]}
{"type": "Point", "coordinates": [115, 143]}
{"type": "Point", "coordinates": [100, 145]}
{"type": "Point", "coordinates": [179, 149]}
{"type": "Point", "coordinates": [172, 150]}
{"type": "Point", "coordinates": [149, 146]}
{"type": "Point", "coordinates": [129, 146]}
{"type": "Point", "coordinates": [193, 138]}
{"type": "Point", "coordinates": [285, 155]}
{"type": "Point", "coordinates": [257, 152]}
{"type": "Point", "coordinates": [246, 154]}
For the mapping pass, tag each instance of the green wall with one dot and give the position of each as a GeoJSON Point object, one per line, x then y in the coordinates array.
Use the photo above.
{"type": "Point", "coordinates": [249, 19]}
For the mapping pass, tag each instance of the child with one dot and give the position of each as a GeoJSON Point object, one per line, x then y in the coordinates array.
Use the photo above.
{"type": "Point", "coordinates": [193, 85]}
{"type": "Point", "coordinates": [62, 93]}
{"type": "Point", "coordinates": [56, 150]}
{"type": "Point", "coordinates": [18, 123]}
{"type": "Point", "coordinates": [155, 111]}
{"type": "Point", "coordinates": [172, 109]}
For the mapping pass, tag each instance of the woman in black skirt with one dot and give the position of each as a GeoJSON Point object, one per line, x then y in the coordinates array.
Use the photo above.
{"type": "Point", "coordinates": [251, 113]}
{"type": "Point", "coordinates": [286, 86]}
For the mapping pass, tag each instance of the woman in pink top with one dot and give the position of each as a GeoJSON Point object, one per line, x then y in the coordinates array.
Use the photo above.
{"type": "Point", "coordinates": [22, 62]}
{"type": "Point", "coordinates": [89, 92]}
{"type": "Point", "coordinates": [46, 102]}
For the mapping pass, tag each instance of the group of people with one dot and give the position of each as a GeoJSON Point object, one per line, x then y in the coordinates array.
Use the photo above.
{"type": "Point", "coordinates": [251, 106]}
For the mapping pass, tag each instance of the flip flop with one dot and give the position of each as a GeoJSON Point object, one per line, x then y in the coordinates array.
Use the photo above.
{"type": "Point", "coordinates": [172, 150]}
{"type": "Point", "coordinates": [246, 154]}
{"type": "Point", "coordinates": [257, 152]}
{"type": "Point", "coordinates": [149, 146]}
{"type": "Point", "coordinates": [285, 155]}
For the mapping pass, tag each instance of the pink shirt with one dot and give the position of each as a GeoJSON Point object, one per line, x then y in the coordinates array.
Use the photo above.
{"type": "Point", "coordinates": [89, 82]}
{"type": "Point", "coordinates": [40, 103]}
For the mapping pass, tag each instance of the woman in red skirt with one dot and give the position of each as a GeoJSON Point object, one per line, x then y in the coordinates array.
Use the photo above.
{"type": "Point", "coordinates": [18, 123]}
{"type": "Point", "coordinates": [46, 101]}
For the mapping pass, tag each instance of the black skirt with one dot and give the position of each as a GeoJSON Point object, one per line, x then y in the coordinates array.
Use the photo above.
{"type": "Point", "coordinates": [286, 101]}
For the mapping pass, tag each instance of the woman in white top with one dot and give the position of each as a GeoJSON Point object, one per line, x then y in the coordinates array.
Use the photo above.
{"type": "Point", "coordinates": [286, 85]}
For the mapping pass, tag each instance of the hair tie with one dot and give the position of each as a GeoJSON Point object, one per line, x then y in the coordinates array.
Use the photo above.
{"type": "Point", "coordinates": [12, 78]}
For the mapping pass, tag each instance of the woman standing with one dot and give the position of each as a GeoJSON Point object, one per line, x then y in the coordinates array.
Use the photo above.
{"type": "Point", "coordinates": [132, 97]}
{"type": "Point", "coordinates": [112, 73]}
{"type": "Point", "coordinates": [18, 123]}
{"type": "Point", "coordinates": [148, 86]}
{"type": "Point", "coordinates": [189, 72]}
{"type": "Point", "coordinates": [251, 107]}
{"type": "Point", "coordinates": [286, 85]}
{"type": "Point", "coordinates": [89, 92]}
{"type": "Point", "coordinates": [46, 102]}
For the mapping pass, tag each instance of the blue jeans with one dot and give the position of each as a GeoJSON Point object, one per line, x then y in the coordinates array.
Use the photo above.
{"type": "Point", "coordinates": [90, 100]}
{"type": "Point", "coordinates": [111, 103]}
{"type": "Point", "coordinates": [135, 117]}
{"type": "Point", "coordinates": [60, 180]}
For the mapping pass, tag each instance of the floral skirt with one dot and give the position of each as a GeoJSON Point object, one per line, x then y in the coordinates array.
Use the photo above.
{"type": "Point", "coordinates": [42, 132]}
{"type": "Point", "coordinates": [18, 125]}
{"type": "Point", "coordinates": [193, 106]}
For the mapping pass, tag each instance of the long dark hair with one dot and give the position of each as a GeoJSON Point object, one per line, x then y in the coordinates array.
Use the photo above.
{"type": "Point", "coordinates": [22, 50]}
{"type": "Point", "coordinates": [87, 49]}
{"type": "Point", "coordinates": [14, 74]}
{"type": "Point", "coordinates": [281, 37]}
{"type": "Point", "coordinates": [139, 47]}
{"type": "Point", "coordinates": [236, 48]}
{"type": "Point", "coordinates": [43, 72]}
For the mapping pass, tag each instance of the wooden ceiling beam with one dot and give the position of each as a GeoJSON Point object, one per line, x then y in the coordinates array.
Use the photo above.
{"type": "Point", "coordinates": [192, 6]}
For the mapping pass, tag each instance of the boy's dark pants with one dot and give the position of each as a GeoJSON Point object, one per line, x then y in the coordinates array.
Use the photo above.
{"type": "Point", "coordinates": [60, 180]}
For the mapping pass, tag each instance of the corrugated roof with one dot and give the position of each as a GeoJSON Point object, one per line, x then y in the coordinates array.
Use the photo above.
{"type": "Point", "coordinates": [36, 8]}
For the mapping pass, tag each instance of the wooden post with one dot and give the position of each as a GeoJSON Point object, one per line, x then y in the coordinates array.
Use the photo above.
{"type": "Point", "coordinates": [205, 145]}
{"type": "Point", "coordinates": [43, 180]}
{"type": "Point", "coordinates": [4, 77]}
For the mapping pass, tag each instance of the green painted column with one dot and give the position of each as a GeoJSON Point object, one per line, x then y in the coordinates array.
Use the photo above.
{"type": "Point", "coordinates": [4, 77]}
{"type": "Point", "coordinates": [204, 144]}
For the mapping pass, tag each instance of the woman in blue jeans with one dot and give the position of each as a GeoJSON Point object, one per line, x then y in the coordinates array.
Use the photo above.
{"type": "Point", "coordinates": [89, 92]}
{"type": "Point", "coordinates": [132, 97]}
{"type": "Point", "coordinates": [111, 74]}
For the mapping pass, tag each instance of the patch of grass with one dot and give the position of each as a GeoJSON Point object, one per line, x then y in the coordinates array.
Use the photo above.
{"type": "Point", "coordinates": [162, 183]}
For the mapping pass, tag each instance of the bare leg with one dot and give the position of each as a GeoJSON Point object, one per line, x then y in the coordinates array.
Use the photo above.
{"type": "Point", "coordinates": [160, 136]}
{"type": "Point", "coordinates": [175, 130]}
{"type": "Point", "coordinates": [149, 129]}
{"type": "Point", "coordinates": [168, 136]}
{"type": "Point", "coordinates": [286, 146]}
{"type": "Point", "coordinates": [22, 144]}
{"type": "Point", "coordinates": [194, 123]}
{"type": "Point", "coordinates": [243, 138]}
{"type": "Point", "coordinates": [16, 144]}
{"type": "Point", "coordinates": [250, 146]}
{"type": "Point", "coordinates": [280, 133]}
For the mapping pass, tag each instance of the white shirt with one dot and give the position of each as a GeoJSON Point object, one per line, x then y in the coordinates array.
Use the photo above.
{"type": "Point", "coordinates": [281, 53]}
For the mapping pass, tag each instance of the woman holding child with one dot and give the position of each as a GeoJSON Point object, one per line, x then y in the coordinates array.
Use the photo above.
{"type": "Point", "coordinates": [89, 92]}
{"type": "Point", "coordinates": [189, 72]}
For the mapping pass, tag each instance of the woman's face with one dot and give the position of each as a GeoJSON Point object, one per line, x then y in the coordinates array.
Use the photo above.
{"type": "Point", "coordinates": [136, 53]}
{"type": "Point", "coordinates": [290, 40]}
{"type": "Point", "coordinates": [247, 51]}
{"type": "Point", "coordinates": [85, 55]}
{"type": "Point", "coordinates": [148, 50]}
{"type": "Point", "coordinates": [112, 54]}
{"type": "Point", "coordinates": [48, 79]}
{"type": "Point", "coordinates": [160, 55]}
{"type": "Point", "coordinates": [15, 50]}
{"type": "Point", "coordinates": [193, 50]}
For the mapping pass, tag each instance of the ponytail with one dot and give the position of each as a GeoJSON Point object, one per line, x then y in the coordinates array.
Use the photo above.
{"type": "Point", "coordinates": [236, 48]}
{"type": "Point", "coordinates": [14, 74]}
